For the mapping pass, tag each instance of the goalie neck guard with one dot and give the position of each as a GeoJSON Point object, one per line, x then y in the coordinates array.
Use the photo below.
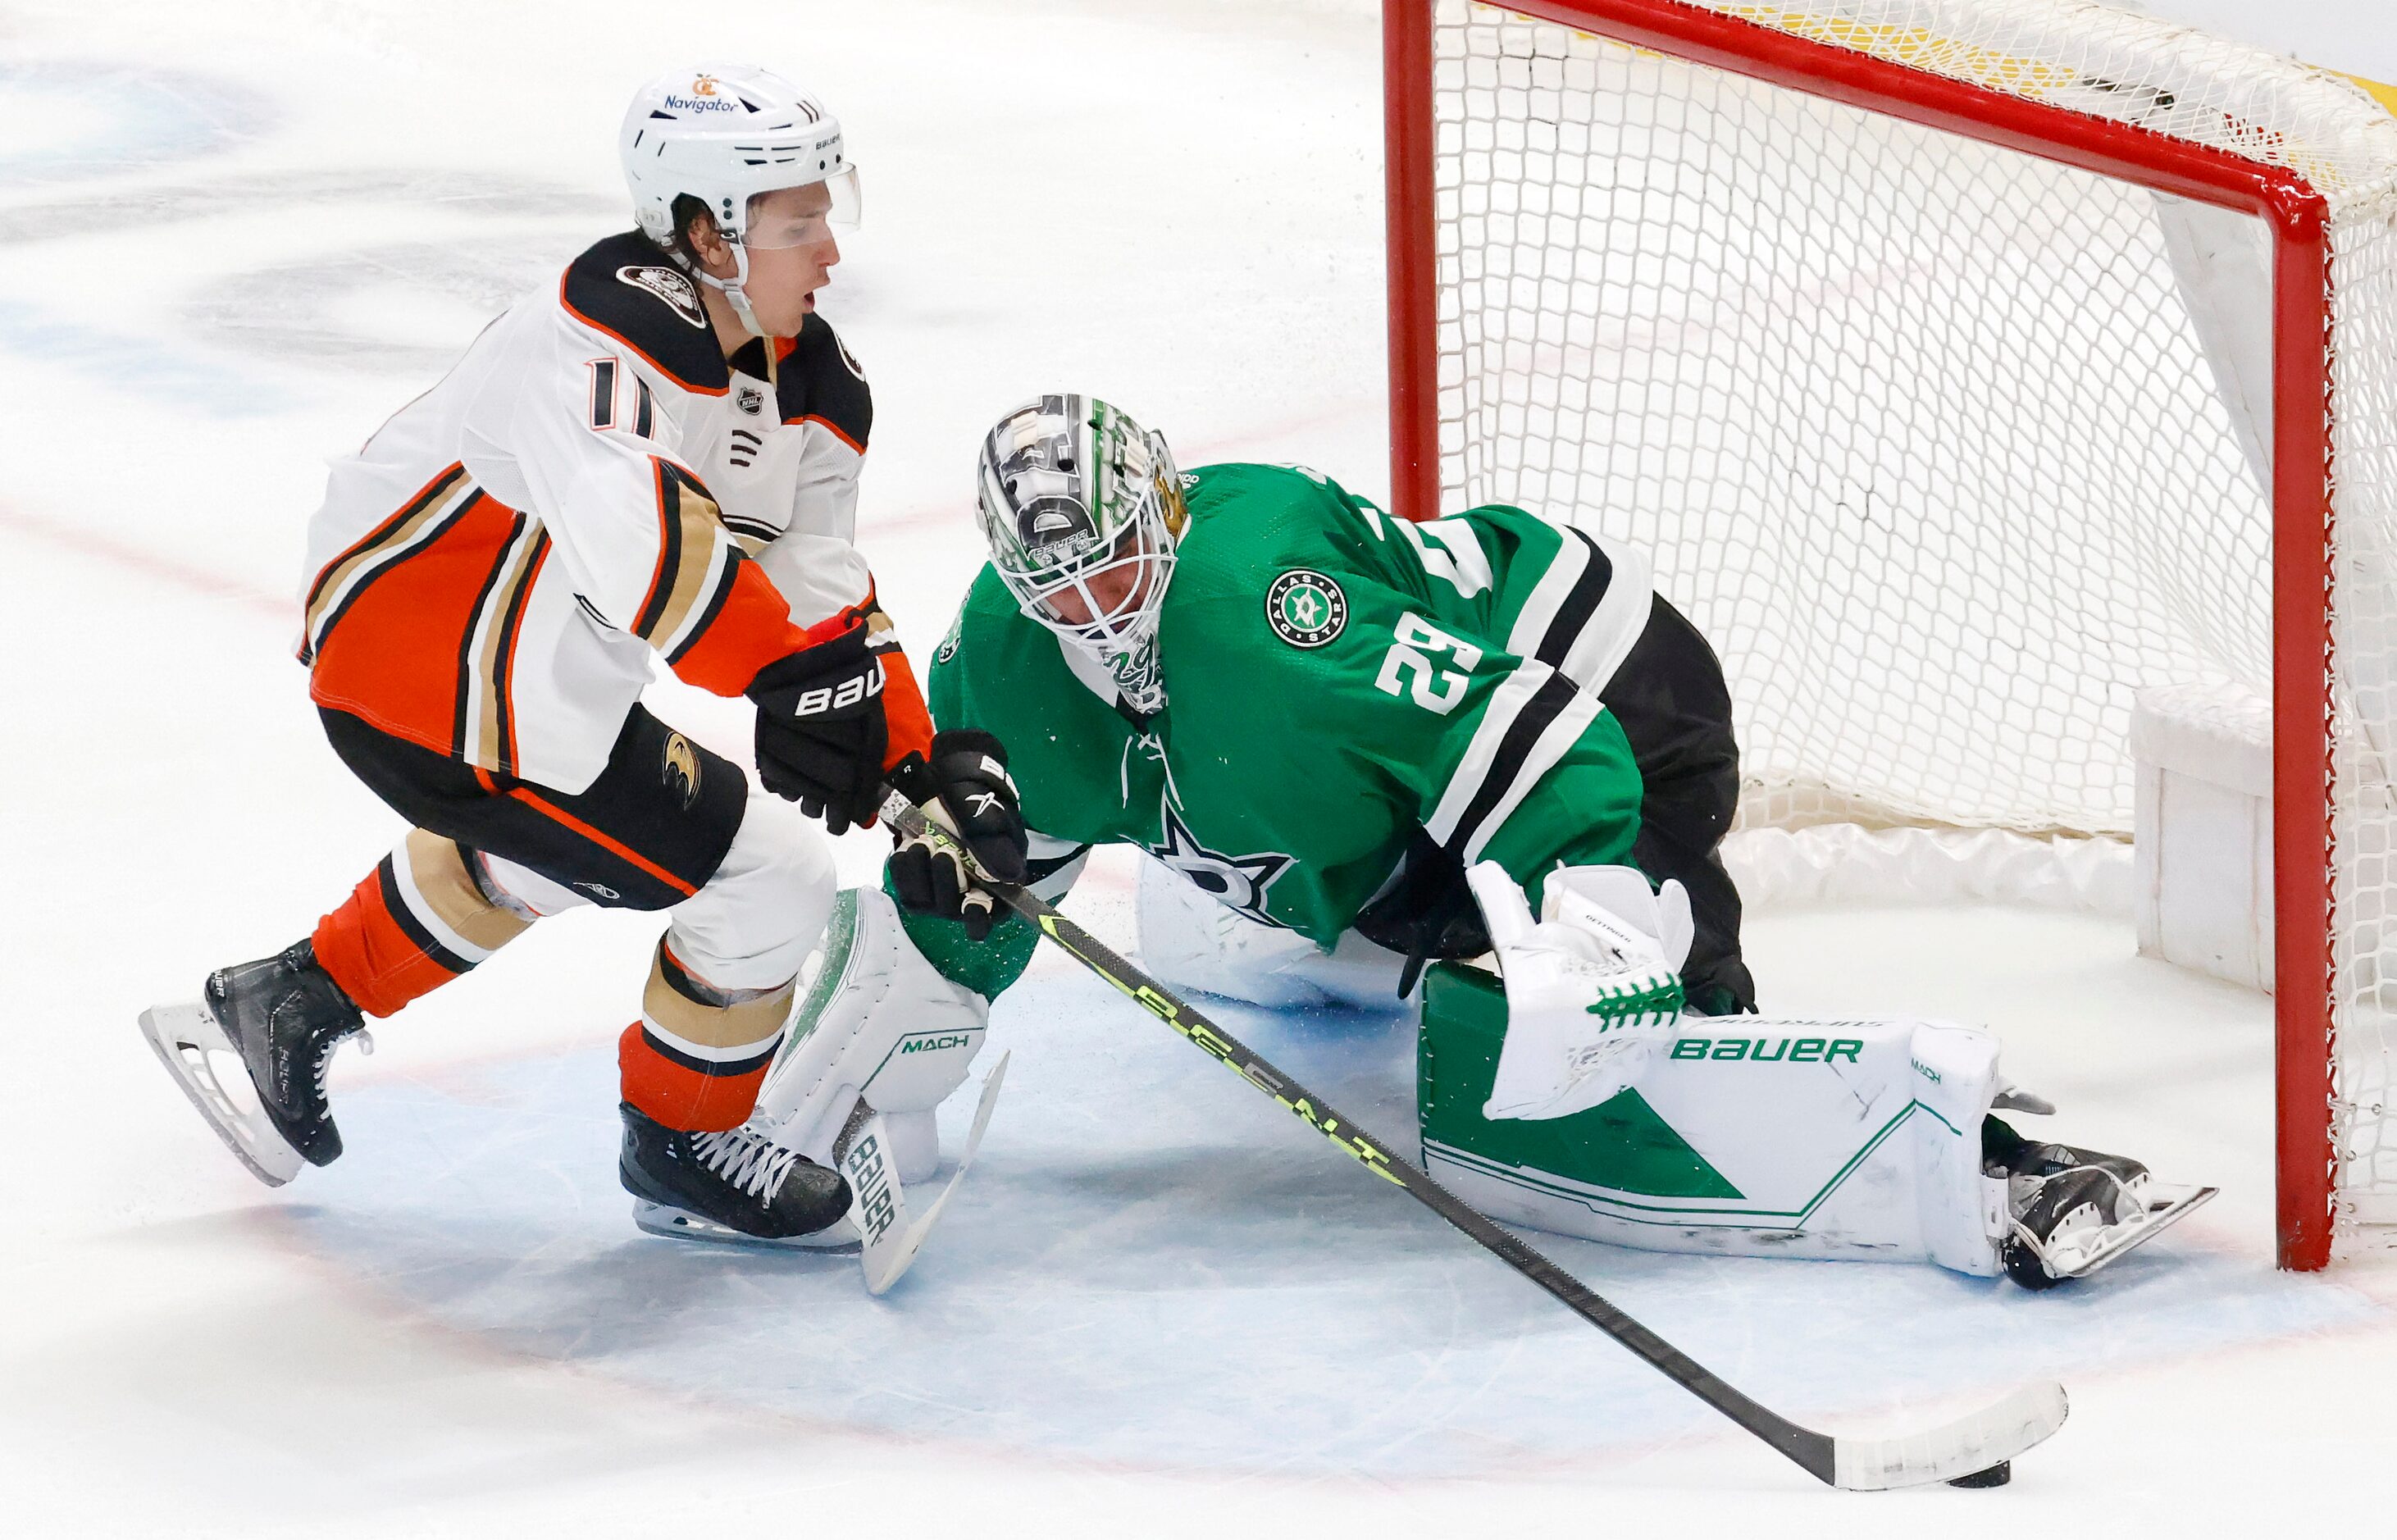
{"type": "Point", "coordinates": [728, 135]}
{"type": "Point", "coordinates": [1081, 508]}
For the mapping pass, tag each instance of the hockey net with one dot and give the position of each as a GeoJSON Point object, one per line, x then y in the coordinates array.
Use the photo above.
{"type": "Point", "coordinates": [1967, 366]}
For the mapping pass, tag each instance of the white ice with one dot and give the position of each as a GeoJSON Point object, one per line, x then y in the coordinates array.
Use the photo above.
{"type": "Point", "coordinates": [231, 239]}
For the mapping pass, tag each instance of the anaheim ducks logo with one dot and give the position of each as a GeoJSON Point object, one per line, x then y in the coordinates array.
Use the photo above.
{"type": "Point", "coordinates": [680, 771]}
{"type": "Point", "coordinates": [671, 286]}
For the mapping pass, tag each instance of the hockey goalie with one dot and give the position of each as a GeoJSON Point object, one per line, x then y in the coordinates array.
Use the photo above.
{"type": "Point", "coordinates": [1357, 746]}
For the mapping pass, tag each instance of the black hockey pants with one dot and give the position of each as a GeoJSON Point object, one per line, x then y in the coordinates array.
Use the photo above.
{"type": "Point", "coordinates": [1672, 703]}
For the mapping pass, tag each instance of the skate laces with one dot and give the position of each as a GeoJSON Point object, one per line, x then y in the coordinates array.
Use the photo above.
{"type": "Point", "coordinates": [332, 1044]}
{"type": "Point", "coordinates": [750, 1162]}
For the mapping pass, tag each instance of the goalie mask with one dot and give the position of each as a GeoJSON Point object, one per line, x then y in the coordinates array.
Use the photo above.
{"type": "Point", "coordinates": [728, 136]}
{"type": "Point", "coordinates": [1081, 507]}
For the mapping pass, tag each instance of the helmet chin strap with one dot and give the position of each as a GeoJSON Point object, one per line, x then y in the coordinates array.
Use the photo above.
{"type": "Point", "coordinates": [732, 288]}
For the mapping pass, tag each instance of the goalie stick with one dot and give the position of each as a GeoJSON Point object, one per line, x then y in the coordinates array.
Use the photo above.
{"type": "Point", "coordinates": [1975, 1447]}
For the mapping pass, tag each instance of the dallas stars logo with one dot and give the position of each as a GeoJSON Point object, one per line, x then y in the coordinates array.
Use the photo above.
{"type": "Point", "coordinates": [1239, 882]}
{"type": "Point", "coordinates": [1305, 609]}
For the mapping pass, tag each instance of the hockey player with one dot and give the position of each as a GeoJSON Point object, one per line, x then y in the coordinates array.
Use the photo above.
{"type": "Point", "coordinates": [1360, 743]}
{"type": "Point", "coordinates": [655, 455]}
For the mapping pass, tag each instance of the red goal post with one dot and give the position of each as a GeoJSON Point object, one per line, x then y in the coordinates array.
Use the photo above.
{"type": "Point", "coordinates": [1878, 57]}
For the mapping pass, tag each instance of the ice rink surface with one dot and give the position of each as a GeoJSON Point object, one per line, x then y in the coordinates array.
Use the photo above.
{"type": "Point", "coordinates": [232, 239]}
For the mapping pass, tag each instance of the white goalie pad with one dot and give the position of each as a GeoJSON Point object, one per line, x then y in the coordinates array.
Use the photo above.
{"type": "Point", "coordinates": [873, 1019]}
{"type": "Point", "coordinates": [1758, 1137]}
{"type": "Point", "coordinates": [1191, 942]}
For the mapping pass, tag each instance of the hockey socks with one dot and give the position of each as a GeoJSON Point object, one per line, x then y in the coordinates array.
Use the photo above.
{"type": "Point", "coordinates": [419, 921]}
{"type": "Point", "coordinates": [695, 1059]}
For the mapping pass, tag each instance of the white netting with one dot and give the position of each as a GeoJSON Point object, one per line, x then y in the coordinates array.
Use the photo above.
{"type": "Point", "coordinates": [1948, 449]}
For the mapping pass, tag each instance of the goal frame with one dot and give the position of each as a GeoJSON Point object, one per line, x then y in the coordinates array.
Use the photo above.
{"type": "Point", "coordinates": [2298, 219]}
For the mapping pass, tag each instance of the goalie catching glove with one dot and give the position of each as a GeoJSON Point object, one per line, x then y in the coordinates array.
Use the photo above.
{"type": "Point", "coordinates": [966, 790]}
{"type": "Point", "coordinates": [1593, 988]}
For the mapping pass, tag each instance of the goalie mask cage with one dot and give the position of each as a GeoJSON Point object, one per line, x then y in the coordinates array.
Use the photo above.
{"type": "Point", "coordinates": [1967, 366]}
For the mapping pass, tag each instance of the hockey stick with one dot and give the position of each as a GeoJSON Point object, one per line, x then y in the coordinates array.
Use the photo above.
{"type": "Point", "coordinates": [1977, 1445]}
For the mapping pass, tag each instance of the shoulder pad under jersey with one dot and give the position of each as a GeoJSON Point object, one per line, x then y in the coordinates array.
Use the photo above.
{"type": "Point", "coordinates": [629, 290]}
{"type": "Point", "coordinates": [818, 380]}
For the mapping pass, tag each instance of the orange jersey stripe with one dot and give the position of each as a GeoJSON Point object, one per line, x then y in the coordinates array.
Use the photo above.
{"type": "Point", "coordinates": [531, 799]}
{"type": "Point", "coordinates": [680, 1097]}
{"type": "Point", "coordinates": [903, 708]}
{"type": "Point", "coordinates": [828, 425]}
{"type": "Point", "coordinates": [750, 628]}
{"type": "Point", "coordinates": [396, 653]}
{"type": "Point", "coordinates": [374, 959]}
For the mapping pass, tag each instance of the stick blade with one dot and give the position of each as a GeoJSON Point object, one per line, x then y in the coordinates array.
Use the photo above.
{"type": "Point", "coordinates": [1961, 1448]}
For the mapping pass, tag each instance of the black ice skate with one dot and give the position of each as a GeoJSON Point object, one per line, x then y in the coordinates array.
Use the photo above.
{"type": "Point", "coordinates": [2075, 1210]}
{"type": "Point", "coordinates": [738, 1186]}
{"type": "Point", "coordinates": [280, 1019]}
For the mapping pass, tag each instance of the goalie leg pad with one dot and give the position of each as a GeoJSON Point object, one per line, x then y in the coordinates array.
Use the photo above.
{"type": "Point", "coordinates": [874, 1020]}
{"type": "Point", "coordinates": [1191, 942]}
{"type": "Point", "coordinates": [1852, 1139]}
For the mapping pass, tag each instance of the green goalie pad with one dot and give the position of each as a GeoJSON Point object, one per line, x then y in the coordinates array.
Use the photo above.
{"type": "Point", "coordinates": [1621, 1143]}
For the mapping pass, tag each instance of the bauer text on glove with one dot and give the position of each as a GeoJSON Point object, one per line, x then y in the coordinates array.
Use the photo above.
{"type": "Point", "coordinates": [820, 731]}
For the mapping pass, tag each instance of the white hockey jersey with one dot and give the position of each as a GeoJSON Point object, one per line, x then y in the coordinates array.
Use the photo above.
{"type": "Point", "coordinates": [593, 482]}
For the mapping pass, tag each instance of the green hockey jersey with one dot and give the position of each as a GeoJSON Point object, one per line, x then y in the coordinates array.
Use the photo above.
{"type": "Point", "coordinates": [1335, 678]}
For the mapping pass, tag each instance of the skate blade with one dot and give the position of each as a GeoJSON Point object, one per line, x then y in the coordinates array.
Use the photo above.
{"type": "Point", "coordinates": [682, 1225]}
{"type": "Point", "coordinates": [186, 1039]}
{"type": "Point", "coordinates": [2167, 1206]}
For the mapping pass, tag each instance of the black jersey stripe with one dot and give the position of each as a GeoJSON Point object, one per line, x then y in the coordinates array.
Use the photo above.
{"type": "Point", "coordinates": [462, 723]}
{"type": "Point", "coordinates": [424, 520]}
{"type": "Point", "coordinates": [387, 878]}
{"type": "Point", "coordinates": [719, 1069]}
{"type": "Point", "coordinates": [755, 529]}
{"type": "Point", "coordinates": [1579, 604]}
{"type": "Point", "coordinates": [1555, 694]}
{"type": "Point", "coordinates": [434, 491]}
{"type": "Point", "coordinates": [710, 608]}
{"type": "Point", "coordinates": [503, 653]}
{"type": "Point", "coordinates": [603, 394]}
{"type": "Point", "coordinates": [662, 587]}
{"type": "Point", "coordinates": [374, 574]}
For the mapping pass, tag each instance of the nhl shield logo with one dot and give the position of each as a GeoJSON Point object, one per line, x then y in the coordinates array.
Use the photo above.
{"type": "Point", "coordinates": [750, 399]}
{"type": "Point", "coordinates": [1305, 609]}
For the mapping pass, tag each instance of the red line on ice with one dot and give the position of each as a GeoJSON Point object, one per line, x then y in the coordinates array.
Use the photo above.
{"type": "Point", "coordinates": [87, 541]}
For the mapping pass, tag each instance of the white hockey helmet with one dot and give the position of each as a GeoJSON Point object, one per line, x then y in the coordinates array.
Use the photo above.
{"type": "Point", "coordinates": [726, 135]}
{"type": "Point", "coordinates": [1082, 509]}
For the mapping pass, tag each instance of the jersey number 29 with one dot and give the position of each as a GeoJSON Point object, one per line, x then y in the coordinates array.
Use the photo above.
{"type": "Point", "coordinates": [1408, 667]}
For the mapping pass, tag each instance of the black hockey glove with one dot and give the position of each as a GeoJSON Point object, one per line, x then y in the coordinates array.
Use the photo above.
{"type": "Point", "coordinates": [820, 732]}
{"type": "Point", "coordinates": [966, 789]}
